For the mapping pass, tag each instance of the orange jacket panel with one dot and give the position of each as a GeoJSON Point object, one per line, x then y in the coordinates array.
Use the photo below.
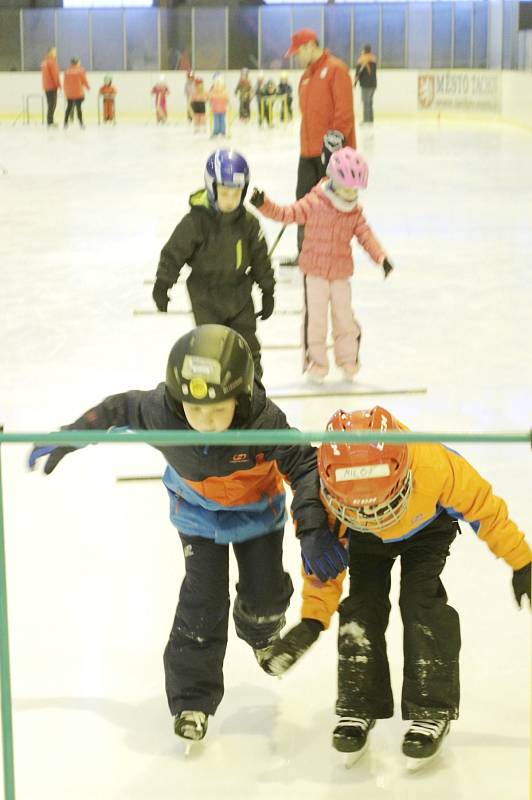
{"type": "Point", "coordinates": [74, 81]}
{"type": "Point", "coordinates": [50, 74]}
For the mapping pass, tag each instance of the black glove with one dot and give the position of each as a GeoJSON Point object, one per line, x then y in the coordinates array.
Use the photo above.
{"type": "Point", "coordinates": [267, 306]}
{"type": "Point", "coordinates": [54, 453]}
{"type": "Point", "coordinates": [387, 267]}
{"type": "Point", "coordinates": [332, 141]}
{"type": "Point", "coordinates": [323, 555]}
{"type": "Point", "coordinates": [521, 584]}
{"type": "Point", "coordinates": [257, 198]}
{"type": "Point", "coordinates": [289, 649]}
{"type": "Point", "coordinates": [160, 294]}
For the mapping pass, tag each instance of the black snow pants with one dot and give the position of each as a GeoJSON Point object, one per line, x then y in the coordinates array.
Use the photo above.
{"type": "Point", "coordinates": [244, 323]}
{"type": "Point", "coordinates": [431, 628]}
{"type": "Point", "coordinates": [194, 655]}
{"type": "Point", "coordinates": [309, 172]}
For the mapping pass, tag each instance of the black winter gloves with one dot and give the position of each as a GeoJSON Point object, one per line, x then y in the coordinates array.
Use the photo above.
{"type": "Point", "coordinates": [268, 304]}
{"type": "Point", "coordinates": [54, 453]}
{"type": "Point", "coordinates": [160, 295]}
{"type": "Point", "coordinates": [257, 198]}
{"type": "Point", "coordinates": [521, 584]}
{"type": "Point", "coordinates": [289, 649]}
{"type": "Point", "coordinates": [387, 267]}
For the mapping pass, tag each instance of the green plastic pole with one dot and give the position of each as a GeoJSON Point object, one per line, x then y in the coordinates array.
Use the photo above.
{"type": "Point", "coordinates": [5, 678]}
{"type": "Point", "coordinates": [255, 437]}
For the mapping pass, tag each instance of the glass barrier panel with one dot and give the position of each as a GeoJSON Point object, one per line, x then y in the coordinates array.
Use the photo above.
{"type": "Point", "coordinates": [107, 39]}
{"type": "Point", "coordinates": [38, 29]}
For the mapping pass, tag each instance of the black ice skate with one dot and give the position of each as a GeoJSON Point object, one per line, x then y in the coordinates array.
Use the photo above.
{"type": "Point", "coordinates": [191, 726]}
{"type": "Point", "coordinates": [423, 741]}
{"type": "Point", "coordinates": [263, 655]}
{"type": "Point", "coordinates": [351, 737]}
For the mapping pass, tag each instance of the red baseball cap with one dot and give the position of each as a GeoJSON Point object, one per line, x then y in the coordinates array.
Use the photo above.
{"type": "Point", "coordinates": [300, 37]}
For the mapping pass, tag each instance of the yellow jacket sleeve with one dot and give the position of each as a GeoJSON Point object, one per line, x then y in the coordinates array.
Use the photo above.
{"type": "Point", "coordinates": [467, 495]}
{"type": "Point", "coordinates": [320, 600]}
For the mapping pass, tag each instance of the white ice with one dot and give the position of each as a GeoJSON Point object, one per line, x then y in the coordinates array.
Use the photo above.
{"type": "Point", "coordinates": [94, 566]}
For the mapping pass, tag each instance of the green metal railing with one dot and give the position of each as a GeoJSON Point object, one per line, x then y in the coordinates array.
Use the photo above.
{"type": "Point", "coordinates": [184, 438]}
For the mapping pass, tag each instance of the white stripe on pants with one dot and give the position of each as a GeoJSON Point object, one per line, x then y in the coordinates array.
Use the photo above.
{"type": "Point", "coordinates": [319, 292]}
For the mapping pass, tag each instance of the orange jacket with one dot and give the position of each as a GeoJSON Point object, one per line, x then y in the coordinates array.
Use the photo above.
{"type": "Point", "coordinates": [108, 90]}
{"type": "Point", "coordinates": [50, 74]}
{"type": "Point", "coordinates": [74, 81]}
{"type": "Point", "coordinates": [326, 103]}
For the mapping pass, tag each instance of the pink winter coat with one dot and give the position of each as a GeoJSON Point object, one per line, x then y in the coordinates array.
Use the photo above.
{"type": "Point", "coordinates": [330, 224]}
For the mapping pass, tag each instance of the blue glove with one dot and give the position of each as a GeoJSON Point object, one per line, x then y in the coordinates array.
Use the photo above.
{"type": "Point", "coordinates": [323, 555]}
{"type": "Point", "coordinates": [54, 453]}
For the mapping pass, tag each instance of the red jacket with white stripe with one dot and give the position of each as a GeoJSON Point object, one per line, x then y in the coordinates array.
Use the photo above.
{"type": "Point", "coordinates": [330, 225]}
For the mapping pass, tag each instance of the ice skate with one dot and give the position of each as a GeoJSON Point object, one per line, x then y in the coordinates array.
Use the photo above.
{"type": "Point", "coordinates": [263, 655]}
{"type": "Point", "coordinates": [314, 377]}
{"type": "Point", "coordinates": [191, 726]}
{"type": "Point", "coordinates": [423, 741]}
{"type": "Point", "coordinates": [351, 737]}
{"type": "Point", "coordinates": [349, 371]}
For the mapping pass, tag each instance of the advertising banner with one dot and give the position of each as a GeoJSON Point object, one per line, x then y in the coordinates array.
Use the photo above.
{"type": "Point", "coordinates": [459, 90]}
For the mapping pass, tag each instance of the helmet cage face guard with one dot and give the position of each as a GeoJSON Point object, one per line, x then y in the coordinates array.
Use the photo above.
{"type": "Point", "coordinates": [374, 518]}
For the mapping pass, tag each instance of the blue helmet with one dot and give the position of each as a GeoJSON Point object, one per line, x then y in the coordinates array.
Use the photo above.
{"type": "Point", "coordinates": [228, 168]}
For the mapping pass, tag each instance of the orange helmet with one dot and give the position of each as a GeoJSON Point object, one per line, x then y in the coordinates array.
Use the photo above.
{"type": "Point", "coordinates": [366, 486]}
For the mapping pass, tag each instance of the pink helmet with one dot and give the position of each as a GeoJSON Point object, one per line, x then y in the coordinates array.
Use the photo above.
{"type": "Point", "coordinates": [348, 168]}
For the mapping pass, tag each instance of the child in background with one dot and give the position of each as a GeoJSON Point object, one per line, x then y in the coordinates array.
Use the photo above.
{"type": "Point", "coordinates": [219, 102]}
{"type": "Point", "coordinates": [259, 91]}
{"type": "Point", "coordinates": [391, 501]}
{"type": "Point", "coordinates": [198, 100]}
{"type": "Point", "coordinates": [284, 90]}
{"type": "Point", "coordinates": [161, 92]}
{"type": "Point", "coordinates": [269, 96]}
{"type": "Point", "coordinates": [189, 91]}
{"type": "Point", "coordinates": [224, 246]}
{"type": "Point", "coordinates": [245, 92]}
{"type": "Point", "coordinates": [108, 92]}
{"type": "Point", "coordinates": [332, 217]}
{"type": "Point", "coordinates": [219, 496]}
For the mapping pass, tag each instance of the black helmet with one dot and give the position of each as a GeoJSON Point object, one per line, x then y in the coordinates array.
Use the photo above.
{"type": "Point", "coordinates": [209, 364]}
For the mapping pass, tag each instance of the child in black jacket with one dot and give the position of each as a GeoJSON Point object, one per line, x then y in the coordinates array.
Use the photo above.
{"type": "Point", "coordinates": [225, 248]}
{"type": "Point", "coordinates": [221, 496]}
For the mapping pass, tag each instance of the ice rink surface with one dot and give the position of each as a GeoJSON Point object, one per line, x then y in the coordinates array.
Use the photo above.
{"type": "Point", "coordinates": [94, 566]}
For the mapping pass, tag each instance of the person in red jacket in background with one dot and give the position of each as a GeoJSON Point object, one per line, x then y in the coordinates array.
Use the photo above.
{"type": "Point", "coordinates": [51, 83]}
{"type": "Point", "coordinates": [327, 116]}
{"type": "Point", "coordinates": [74, 81]}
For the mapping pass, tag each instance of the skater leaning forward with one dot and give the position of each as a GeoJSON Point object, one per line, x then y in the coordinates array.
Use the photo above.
{"type": "Point", "coordinates": [332, 218]}
{"type": "Point", "coordinates": [220, 496]}
{"type": "Point", "coordinates": [389, 501]}
{"type": "Point", "coordinates": [225, 248]}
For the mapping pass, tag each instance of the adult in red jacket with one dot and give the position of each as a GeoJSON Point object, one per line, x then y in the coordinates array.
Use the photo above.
{"type": "Point", "coordinates": [326, 103]}
{"type": "Point", "coordinates": [50, 82]}
{"type": "Point", "coordinates": [75, 80]}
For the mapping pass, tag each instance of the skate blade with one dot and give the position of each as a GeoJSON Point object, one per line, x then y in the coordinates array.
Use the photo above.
{"type": "Point", "coordinates": [417, 764]}
{"type": "Point", "coordinates": [351, 758]}
{"type": "Point", "coordinates": [190, 745]}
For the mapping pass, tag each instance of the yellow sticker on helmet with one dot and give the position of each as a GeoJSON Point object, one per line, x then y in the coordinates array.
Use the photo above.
{"type": "Point", "coordinates": [198, 388]}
